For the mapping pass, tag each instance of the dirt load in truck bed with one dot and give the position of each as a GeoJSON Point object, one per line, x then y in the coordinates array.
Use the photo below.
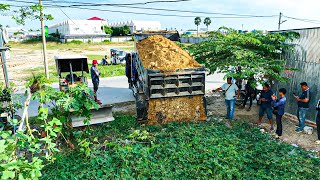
{"type": "Point", "coordinates": [160, 53]}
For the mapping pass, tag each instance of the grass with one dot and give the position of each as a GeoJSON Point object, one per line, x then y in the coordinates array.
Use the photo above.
{"type": "Point", "coordinates": [207, 150]}
{"type": "Point", "coordinates": [112, 70]}
{"type": "Point", "coordinates": [106, 71]}
{"type": "Point", "coordinates": [67, 46]}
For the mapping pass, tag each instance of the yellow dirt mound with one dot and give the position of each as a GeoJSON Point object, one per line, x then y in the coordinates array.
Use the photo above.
{"type": "Point", "coordinates": [160, 53]}
{"type": "Point", "coordinates": [178, 109]}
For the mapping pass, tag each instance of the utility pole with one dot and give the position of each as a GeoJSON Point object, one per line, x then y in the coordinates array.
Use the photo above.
{"type": "Point", "coordinates": [280, 21]}
{"type": "Point", "coordinates": [280, 16]}
{"type": "Point", "coordinates": [44, 47]}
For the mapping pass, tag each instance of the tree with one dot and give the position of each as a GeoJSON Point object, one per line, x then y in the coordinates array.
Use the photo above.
{"type": "Point", "coordinates": [125, 30]}
{"type": "Point", "coordinates": [120, 31]}
{"type": "Point", "coordinates": [197, 22]}
{"type": "Point", "coordinates": [107, 30]}
{"type": "Point", "coordinates": [24, 13]}
{"type": "Point", "coordinates": [207, 22]}
{"type": "Point", "coordinates": [252, 55]}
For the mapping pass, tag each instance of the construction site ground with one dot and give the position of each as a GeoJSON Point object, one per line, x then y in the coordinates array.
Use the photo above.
{"type": "Point", "coordinates": [25, 58]}
{"type": "Point", "coordinates": [216, 111]}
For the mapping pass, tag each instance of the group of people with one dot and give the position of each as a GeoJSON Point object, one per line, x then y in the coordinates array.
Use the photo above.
{"type": "Point", "coordinates": [271, 104]}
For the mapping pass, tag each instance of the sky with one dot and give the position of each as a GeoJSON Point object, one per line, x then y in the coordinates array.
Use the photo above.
{"type": "Point", "coordinates": [306, 9]}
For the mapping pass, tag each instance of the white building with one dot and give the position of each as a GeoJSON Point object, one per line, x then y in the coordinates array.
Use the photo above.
{"type": "Point", "coordinates": [84, 30]}
{"type": "Point", "coordinates": [138, 25]}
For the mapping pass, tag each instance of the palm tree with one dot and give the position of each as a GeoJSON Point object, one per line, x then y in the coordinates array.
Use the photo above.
{"type": "Point", "coordinates": [207, 22]}
{"type": "Point", "coordinates": [197, 22]}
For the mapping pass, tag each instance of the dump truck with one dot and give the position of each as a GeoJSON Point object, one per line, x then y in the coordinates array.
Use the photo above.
{"type": "Point", "coordinates": [170, 84]}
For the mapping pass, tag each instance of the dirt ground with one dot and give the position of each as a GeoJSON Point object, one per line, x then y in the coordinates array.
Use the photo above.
{"type": "Point", "coordinates": [216, 110]}
{"type": "Point", "coordinates": [24, 60]}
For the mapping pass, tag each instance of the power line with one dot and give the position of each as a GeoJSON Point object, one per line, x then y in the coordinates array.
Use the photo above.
{"type": "Point", "coordinates": [304, 20]}
{"type": "Point", "coordinates": [141, 3]}
{"type": "Point", "coordinates": [138, 7]}
{"type": "Point", "coordinates": [105, 4]}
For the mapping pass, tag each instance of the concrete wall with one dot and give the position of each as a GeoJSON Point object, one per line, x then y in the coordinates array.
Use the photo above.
{"type": "Point", "coordinates": [121, 39]}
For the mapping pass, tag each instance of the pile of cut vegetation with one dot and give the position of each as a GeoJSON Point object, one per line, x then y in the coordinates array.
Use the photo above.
{"type": "Point", "coordinates": [160, 53]}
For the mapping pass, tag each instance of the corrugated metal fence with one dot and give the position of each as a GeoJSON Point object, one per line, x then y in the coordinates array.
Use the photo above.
{"type": "Point", "coordinates": [307, 60]}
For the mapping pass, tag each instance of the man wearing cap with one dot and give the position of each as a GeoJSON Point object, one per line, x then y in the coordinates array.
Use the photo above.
{"type": "Point", "coordinates": [303, 105]}
{"type": "Point", "coordinates": [95, 73]}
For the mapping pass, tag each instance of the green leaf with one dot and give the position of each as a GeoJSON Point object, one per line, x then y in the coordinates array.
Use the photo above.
{"type": "Point", "coordinates": [8, 175]}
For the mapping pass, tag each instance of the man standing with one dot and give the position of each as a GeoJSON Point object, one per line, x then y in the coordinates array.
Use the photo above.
{"type": "Point", "coordinates": [265, 107]}
{"type": "Point", "coordinates": [318, 121]}
{"type": "Point", "coordinates": [280, 104]}
{"type": "Point", "coordinates": [250, 94]}
{"type": "Point", "coordinates": [303, 105]}
{"type": "Point", "coordinates": [230, 90]}
{"type": "Point", "coordinates": [95, 73]}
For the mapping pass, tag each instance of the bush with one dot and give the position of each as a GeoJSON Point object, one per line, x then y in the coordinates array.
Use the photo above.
{"type": "Point", "coordinates": [106, 41]}
{"type": "Point", "coordinates": [39, 39]}
{"type": "Point", "coordinates": [75, 42]}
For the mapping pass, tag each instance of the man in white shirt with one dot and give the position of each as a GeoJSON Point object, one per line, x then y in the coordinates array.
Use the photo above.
{"type": "Point", "coordinates": [230, 90]}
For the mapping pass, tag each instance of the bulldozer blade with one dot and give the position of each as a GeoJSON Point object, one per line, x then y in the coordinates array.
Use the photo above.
{"type": "Point", "coordinates": [102, 115]}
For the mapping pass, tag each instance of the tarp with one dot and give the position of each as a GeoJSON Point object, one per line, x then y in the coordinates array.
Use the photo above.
{"type": "Point", "coordinates": [63, 63]}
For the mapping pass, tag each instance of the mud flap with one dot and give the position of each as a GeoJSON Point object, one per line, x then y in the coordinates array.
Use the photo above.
{"type": "Point", "coordinates": [102, 115]}
{"type": "Point", "coordinates": [141, 107]}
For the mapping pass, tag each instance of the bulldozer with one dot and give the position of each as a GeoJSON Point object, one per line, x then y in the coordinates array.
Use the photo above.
{"type": "Point", "coordinates": [69, 66]}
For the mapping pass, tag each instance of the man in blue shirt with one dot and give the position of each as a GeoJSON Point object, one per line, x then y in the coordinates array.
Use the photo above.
{"type": "Point", "coordinates": [303, 105]}
{"type": "Point", "coordinates": [266, 99]}
{"type": "Point", "coordinates": [280, 104]}
{"type": "Point", "coordinates": [95, 73]}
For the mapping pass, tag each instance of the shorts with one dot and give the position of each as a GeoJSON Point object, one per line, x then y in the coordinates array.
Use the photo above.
{"type": "Point", "coordinates": [95, 85]}
{"type": "Point", "coordinates": [268, 110]}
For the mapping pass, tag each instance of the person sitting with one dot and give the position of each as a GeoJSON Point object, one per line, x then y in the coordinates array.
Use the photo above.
{"type": "Point", "coordinates": [104, 60]}
{"type": "Point", "coordinates": [68, 78]}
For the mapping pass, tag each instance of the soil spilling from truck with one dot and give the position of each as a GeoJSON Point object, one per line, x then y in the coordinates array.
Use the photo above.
{"type": "Point", "coordinates": [178, 109]}
{"type": "Point", "coordinates": [160, 53]}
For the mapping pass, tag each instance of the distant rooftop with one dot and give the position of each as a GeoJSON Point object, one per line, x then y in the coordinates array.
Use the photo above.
{"type": "Point", "coordinates": [96, 18]}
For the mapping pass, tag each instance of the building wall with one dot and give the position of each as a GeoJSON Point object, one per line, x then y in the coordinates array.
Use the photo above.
{"type": "Point", "coordinates": [78, 27]}
{"type": "Point", "coordinates": [138, 25]}
{"type": "Point", "coordinates": [307, 60]}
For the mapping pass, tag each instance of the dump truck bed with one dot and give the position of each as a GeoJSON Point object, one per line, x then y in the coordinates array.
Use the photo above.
{"type": "Point", "coordinates": [182, 82]}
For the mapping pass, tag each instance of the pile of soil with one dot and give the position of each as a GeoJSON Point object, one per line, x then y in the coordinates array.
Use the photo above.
{"type": "Point", "coordinates": [178, 109]}
{"type": "Point", "coordinates": [160, 53]}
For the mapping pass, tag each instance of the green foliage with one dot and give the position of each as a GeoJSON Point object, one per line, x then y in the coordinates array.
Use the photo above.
{"type": "Point", "coordinates": [120, 31]}
{"type": "Point", "coordinates": [112, 70]}
{"type": "Point", "coordinates": [30, 12]}
{"type": "Point", "coordinates": [207, 150]}
{"type": "Point", "coordinates": [251, 54]}
{"type": "Point", "coordinates": [108, 30]}
{"type": "Point", "coordinates": [75, 42]}
{"type": "Point", "coordinates": [207, 22]}
{"type": "Point", "coordinates": [4, 7]}
{"type": "Point", "coordinates": [197, 21]}
{"type": "Point", "coordinates": [24, 154]}
{"type": "Point", "coordinates": [39, 39]}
